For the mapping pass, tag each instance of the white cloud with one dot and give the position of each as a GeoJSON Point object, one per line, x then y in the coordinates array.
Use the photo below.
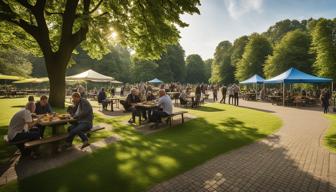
{"type": "Point", "coordinates": [238, 8]}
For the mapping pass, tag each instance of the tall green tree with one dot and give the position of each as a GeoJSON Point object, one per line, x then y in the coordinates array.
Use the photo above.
{"type": "Point", "coordinates": [55, 28]}
{"type": "Point", "coordinates": [238, 49]}
{"type": "Point", "coordinates": [208, 65]}
{"type": "Point", "coordinates": [292, 51]}
{"type": "Point", "coordinates": [324, 46]}
{"type": "Point", "coordinates": [172, 66]}
{"type": "Point", "coordinates": [222, 69]}
{"type": "Point", "coordinates": [143, 70]}
{"type": "Point", "coordinates": [195, 69]}
{"type": "Point", "coordinates": [253, 59]}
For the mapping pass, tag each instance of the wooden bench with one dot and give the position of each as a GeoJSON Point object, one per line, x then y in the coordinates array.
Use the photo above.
{"type": "Point", "coordinates": [13, 142]}
{"type": "Point", "coordinates": [170, 117]}
{"type": "Point", "coordinates": [56, 138]}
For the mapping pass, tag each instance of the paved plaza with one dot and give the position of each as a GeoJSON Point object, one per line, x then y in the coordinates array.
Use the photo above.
{"type": "Point", "coordinates": [293, 159]}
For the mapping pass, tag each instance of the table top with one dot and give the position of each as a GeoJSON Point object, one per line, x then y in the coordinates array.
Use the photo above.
{"type": "Point", "coordinates": [146, 104]}
{"type": "Point", "coordinates": [58, 119]}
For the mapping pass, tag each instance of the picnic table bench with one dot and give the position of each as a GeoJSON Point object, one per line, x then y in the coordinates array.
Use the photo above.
{"type": "Point", "coordinates": [47, 140]}
{"type": "Point", "coordinates": [170, 117]}
{"type": "Point", "coordinates": [57, 138]}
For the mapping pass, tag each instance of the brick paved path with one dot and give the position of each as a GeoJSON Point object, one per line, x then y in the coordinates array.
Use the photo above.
{"type": "Point", "coordinates": [293, 159]}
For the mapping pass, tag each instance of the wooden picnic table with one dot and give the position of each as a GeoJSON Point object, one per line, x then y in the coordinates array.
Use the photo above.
{"type": "Point", "coordinates": [145, 105]}
{"type": "Point", "coordinates": [250, 96]}
{"type": "Point", "coordinates": [113, 101]}
{"type": "Point", "coordinates": [275, 99]}
{"type": "Point", "coordinates": [56, 122]}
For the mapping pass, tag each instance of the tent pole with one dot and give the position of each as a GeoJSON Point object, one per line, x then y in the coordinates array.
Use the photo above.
{"type": "Point", "coordinates": [283, 94]}
{"type": "Point", "coordinates": [332, 87]}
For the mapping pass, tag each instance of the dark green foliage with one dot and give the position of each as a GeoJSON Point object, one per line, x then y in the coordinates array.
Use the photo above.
{"type": "Point", "coordinates": [222, 69]}
{"type": "Point", "coordinates": [195, 69]}
{"type": "Point", "coordinates": [281, 28]}
{"type": "Point", "coordinates": [208, 66]}
{"type": "Point", "coordinates": [13, 61]}
{"type": "Point", "coordinates": [238, 49]}
{"type": "Point", "coordinates": [169, 68]}
{"type": "Point", "coordinates": [291, 51]}
{"type": "Point", "coordinates": [324, 46]}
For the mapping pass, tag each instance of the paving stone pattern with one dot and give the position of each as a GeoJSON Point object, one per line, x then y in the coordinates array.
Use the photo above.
{"type": "Point", "coordinates": [293, 159]}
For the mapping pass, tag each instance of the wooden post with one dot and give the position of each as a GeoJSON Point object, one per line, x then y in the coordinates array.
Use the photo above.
{"type": "Point", "coordinates": [283, 93]}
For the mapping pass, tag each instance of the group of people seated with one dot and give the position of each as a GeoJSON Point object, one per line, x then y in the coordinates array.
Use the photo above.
{"type": "Point", "coordinates": [24, 127]}
{"type": "Point", "coordinates": [163, 106]}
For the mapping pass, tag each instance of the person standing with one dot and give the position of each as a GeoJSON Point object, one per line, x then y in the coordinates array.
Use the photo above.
{"type": "Point", "coordinates": [215, 92]}
{"type": "Point", "coordinates": [236, 94]}
{"type": "Point", "coordinates": [83, 113]}
{"type": "Point", "coordinates": [223, 91]}
{"type": "Point", "coordinates": [325, 101]}
{"type": "Point", "coordinates": [230, 90]}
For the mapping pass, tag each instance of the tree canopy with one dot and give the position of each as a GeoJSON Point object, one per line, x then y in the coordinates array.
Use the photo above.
{"type": "Point", "coordinates": [222, 69]}
{"type": "Point", "coordinates": [324, 46]}
{"type": "Point", "coordinates": [55, 28]}
{"type": "Point", "coordinates": [292, 51]}
{"type": "Point", "coordinates": [195, 69]}
{"type": "Point", "coordinates": [253, 59]}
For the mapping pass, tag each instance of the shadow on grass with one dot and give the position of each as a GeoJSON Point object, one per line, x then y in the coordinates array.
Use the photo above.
{"type": "Point", "coordinates": [257, 109]}
{"type": "Point", "coordinates": [331, 140]}
{"type": "Point", "coordinates": [18, 106]}
{"type": "Point", "coordinates": [207, 109]}
{"type": "Point", "coordinates": [6, 151]}
{"type": "Point", "coordinates": [138, 161]}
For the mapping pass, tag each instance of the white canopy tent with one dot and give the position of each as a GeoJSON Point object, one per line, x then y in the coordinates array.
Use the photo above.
{"type": "Point", "coordinates": [90, 75]}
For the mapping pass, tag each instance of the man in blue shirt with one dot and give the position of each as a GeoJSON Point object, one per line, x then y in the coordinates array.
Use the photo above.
{"type": "Point", "coordinates": [42, 107]}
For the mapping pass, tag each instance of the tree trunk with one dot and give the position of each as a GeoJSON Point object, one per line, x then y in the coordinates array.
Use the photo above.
{"type": "Point", "coordinates": [56, 73]}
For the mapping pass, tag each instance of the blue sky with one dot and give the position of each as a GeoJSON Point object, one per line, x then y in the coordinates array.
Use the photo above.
{"type": "Point", "coordinates": [228, 19]}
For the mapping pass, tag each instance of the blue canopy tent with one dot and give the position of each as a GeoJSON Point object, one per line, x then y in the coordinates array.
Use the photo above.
{"type": "Point", "coordinates": [156, 80]}
{"type": "Point", "coordinates": [293, 75]}
{"type": "Point", "coordinates": [255, 79]}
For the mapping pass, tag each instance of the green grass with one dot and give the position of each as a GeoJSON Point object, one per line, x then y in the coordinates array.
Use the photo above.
{"type": "Point", "coordinates": [330, 136]}
{"type": "Point", "coordinates": [139, 161]}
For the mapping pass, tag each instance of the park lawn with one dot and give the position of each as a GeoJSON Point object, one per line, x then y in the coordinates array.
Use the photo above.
{"type": "Point", "coordinates": [139, 161]}
{"type": "Point", "coordinates": [330, 135]}
{"type": "Point", "coordinates": [9, 107]}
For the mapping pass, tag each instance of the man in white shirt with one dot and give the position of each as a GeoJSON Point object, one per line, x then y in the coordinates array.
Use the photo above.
{"type": "Point", "coordinates": [20, 127]}
{"type": "Point", "coordinates": [165, 104]}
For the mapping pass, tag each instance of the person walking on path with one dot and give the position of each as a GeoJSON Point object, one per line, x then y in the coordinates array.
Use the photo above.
{"type": "Point", "coordinates": [223, 91]}
{"type": "Point", "coordinates": [325, 101]}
